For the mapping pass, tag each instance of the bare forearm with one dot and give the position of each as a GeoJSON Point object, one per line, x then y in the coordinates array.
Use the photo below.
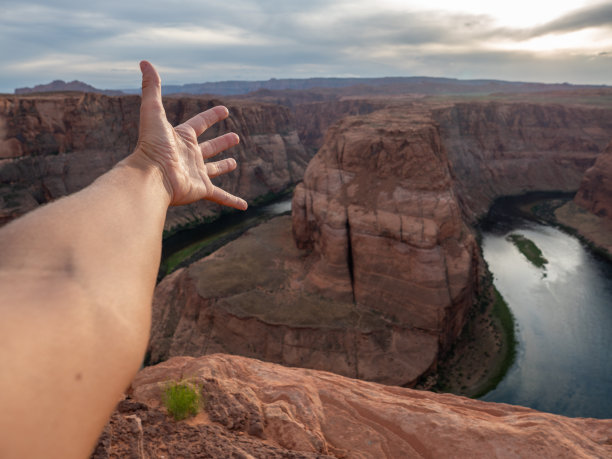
{"type": "Point", "coordinates": [108, 234]}
{"type": "Point", "coordinates": [76, 281]}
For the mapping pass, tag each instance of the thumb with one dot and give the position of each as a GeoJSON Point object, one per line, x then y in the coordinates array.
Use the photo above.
{"type": "Point", "coordinates": [151, 83]}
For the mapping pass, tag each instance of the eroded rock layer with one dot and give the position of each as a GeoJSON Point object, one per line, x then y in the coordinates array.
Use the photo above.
{"type": "Point", "coordinates": [258, 409]}
{"type": "Point", "coordinates": [53, 145]}
{"type": "Point", "coordinates": [249, 298]}
{"type": "Point", "coordinates": [595, 192]}
{"type": "Point", "coordinates": [378, 211]}
{"type": "Point", "coordinates": [590, 213]}
{"type": "Point", "coordinates": [499, 149]}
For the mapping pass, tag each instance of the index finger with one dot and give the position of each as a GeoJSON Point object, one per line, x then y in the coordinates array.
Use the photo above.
{"type": "Point", "coordinates": [204, 120]}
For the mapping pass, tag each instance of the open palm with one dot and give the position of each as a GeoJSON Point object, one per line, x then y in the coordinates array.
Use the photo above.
{"type": "Point", "coordinates": [176, 152]}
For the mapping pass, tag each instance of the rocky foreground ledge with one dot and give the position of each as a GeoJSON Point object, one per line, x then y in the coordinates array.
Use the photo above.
{"type": "Point", "coordinates": [258, 409]}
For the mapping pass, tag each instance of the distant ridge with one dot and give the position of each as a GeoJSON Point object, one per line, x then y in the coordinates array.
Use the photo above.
{"type": "Point", "coordinates": [387, 85]}
{"type": "Point", "coordinates": [60, 86]}
{"type": "Point", "coordinates": [346, 86]}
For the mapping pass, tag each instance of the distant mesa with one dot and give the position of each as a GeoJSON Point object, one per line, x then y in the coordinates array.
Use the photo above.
{"type": "Point", "coordinates": [324, 86]}
{"type": "Point", "coordinates": [62, 86]}
{"type": "Point", "coordinates": [382, 85]}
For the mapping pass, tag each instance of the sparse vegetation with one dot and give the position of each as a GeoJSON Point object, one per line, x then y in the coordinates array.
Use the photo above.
{"type": "Point", "coordinates": [182, 399]}
{"type": "Point", "coordinates": [529, 249]}
{"type": "Point", "coordinates": [483, 353]}
{"type": "Point", "coordinates": [503, 313]}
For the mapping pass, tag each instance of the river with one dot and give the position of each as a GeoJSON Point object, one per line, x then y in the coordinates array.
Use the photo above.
{"type": "Point", "coordinates": [564, 321]}
{"type": "Point", "coordinates": [188, 245]}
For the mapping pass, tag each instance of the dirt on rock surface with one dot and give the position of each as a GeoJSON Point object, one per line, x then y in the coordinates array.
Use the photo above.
{"type": "Point", "coordinates": [259, 409]}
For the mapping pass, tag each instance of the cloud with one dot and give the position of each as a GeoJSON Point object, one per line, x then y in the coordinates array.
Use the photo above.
{"type": "Point", "coordinates": [592, 16]}
{"type": "Point", "coordinates": [101, 42]}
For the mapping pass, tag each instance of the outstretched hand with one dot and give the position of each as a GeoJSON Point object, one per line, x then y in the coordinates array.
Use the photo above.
{"type": "Point", "coordinates": [176, 152]}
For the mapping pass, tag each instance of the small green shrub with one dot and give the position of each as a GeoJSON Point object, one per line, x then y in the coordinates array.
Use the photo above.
{"type": "Point", "coordinates": [528, 248]}
{"type": "Point", "coordinates": [182, 399]}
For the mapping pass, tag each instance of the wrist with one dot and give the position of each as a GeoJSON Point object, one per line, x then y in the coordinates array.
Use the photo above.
{"type": "Point", "coordinates": [150, 172]}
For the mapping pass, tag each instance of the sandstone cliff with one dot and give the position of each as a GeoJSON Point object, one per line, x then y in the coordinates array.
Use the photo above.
{"type": "Point", "coordinates": [388, 266]}
{"type": "Point", "coordinates": [590, 214]}
{"type": "Point", "coordinates": [595, 192]}
{"type": "Point", "coordinates": [509, 148]}
{"type": "Point", "coordinates": [52, 145]}
{"type": "Point", "coordinates": [378, 210]}
{"type": "Point", "coordinates": [257, 409]}
{"type": "Point", "coordinates": [248, 298]}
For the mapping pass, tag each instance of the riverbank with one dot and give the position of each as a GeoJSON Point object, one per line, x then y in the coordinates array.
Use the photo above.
{"type": "Point", "coordinates": [484, 351]}
{"type": "Point", "coordinates": [593, 231]}
{"type": "Point", "coordinates": [190, 245]}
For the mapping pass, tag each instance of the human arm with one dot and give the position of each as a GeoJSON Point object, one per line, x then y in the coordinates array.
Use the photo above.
{"type": "Point", "coordinates": [77, 279]}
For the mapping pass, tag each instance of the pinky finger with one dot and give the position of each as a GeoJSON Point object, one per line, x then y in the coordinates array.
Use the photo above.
{"type": "Point", "coordinates": [226, 199]}
{"type": "Point", "coordinates": [220, 167]}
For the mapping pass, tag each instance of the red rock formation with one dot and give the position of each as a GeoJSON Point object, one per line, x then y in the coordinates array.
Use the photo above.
{"type": "Point", "coordinates": [378, 210]}
{"type": "Point", "coordinates": [257, 409]}
{"type": "Point", "coordinates": [52, 145]}
{"type": "Point", "coordinates": [595, 192]}
{"type": "Point", "coordinates": [248, 299]}
{"type": "Point", "coordinates": [590, 213]}
{"type": "Point", "coordinates": [501, 149]}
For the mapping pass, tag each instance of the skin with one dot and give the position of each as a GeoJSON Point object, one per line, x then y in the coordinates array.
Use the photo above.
{"type": "Point", "coordinates": [77, 279]}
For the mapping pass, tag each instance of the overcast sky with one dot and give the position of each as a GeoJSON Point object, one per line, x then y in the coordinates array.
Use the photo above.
{"type": "Point", "coordinates": [194, 41]}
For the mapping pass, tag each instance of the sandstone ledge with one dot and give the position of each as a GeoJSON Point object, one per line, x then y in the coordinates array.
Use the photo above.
{"type": "Point", "coordinates": [595, 229]}
{"type": "Point", "coordinates": [258, 409]}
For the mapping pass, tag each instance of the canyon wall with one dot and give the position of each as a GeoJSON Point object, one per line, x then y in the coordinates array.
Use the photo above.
{"type": "Point", "coordinates": [499, 149]}
{"type": "Point", "coordinates": [595, 192]}
{"type": "Point", "coordinates": [53, 145]}
{"type": "Point", "coordinates": [314, 118]}
{"type": "Point", "coordinates": [258, 409]}
{"type": "Point", "coordinates": [590, 213]}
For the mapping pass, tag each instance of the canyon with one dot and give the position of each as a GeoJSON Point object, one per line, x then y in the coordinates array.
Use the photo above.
{"type": "Point", "coordinates": [386, 267]}
{"type": "Point", "coordinates": [372, 277]}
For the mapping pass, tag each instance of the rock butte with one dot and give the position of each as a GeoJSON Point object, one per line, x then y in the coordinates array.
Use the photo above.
{"type": "Point", "coordinates": [259, 409]}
